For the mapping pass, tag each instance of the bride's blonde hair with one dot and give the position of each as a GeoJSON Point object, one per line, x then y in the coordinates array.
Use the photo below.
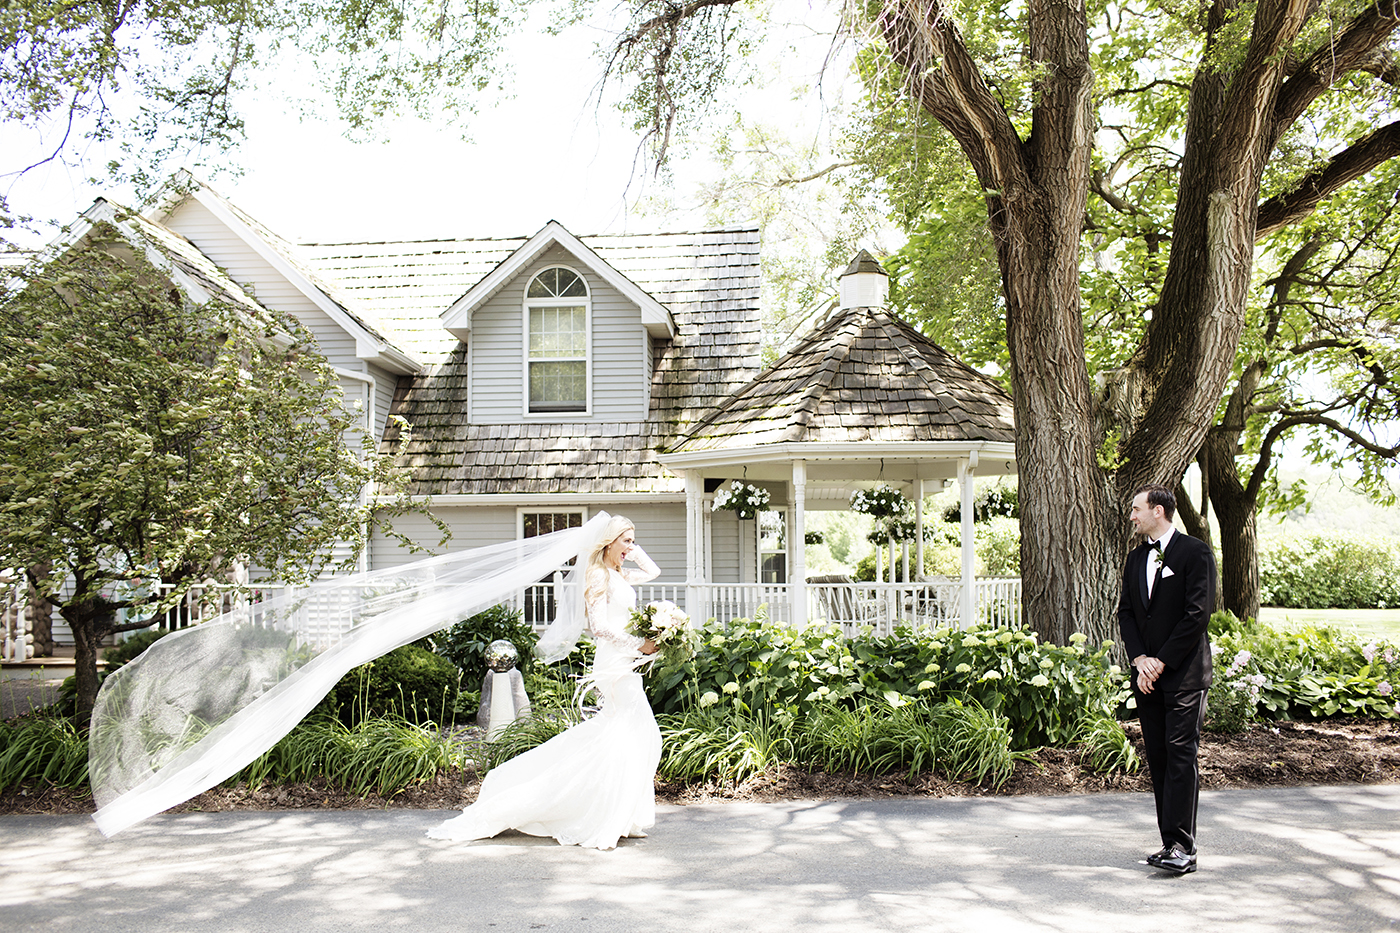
{"type": "Point", "coordinates": [595, 574]}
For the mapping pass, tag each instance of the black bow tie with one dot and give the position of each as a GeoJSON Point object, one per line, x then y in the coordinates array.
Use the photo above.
{"type": "Point", "coordinates": [1157, 546]}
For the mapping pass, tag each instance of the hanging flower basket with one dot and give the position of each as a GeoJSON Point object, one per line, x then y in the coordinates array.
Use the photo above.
{"type": "Point", "coordinates": [880, 502]}
{"type": "Point", "coordinates": [743, 499]}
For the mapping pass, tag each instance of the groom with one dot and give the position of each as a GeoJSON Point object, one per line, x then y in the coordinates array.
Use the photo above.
{"type": "Point", "coordinates": [1163, 614]}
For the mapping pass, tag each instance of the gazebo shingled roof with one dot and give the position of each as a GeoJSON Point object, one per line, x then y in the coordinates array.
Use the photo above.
{"type": "Point", "coordinates": [864, 375]}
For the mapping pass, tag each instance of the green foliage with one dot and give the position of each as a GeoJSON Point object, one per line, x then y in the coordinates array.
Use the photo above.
{"type": "Point", "coordinates": [527, 732]}
{"type": "Point", "coordinates": [149, 440]}
{"type": "Point", "coordinates": [1329, 571]}
{"type": "Point", "coordinates": [728, 748]}
{"type": "Point", "coordinates": [380, 755]}
{"type": "Point", "coordinates": [1314, 672]}
{"type": "Point", "coordinates": [465, 643]}
{"type": "Point", "coordinates": [128, 648]}
{"type": "Point", "coordinates": [1106, 745]}
{"type": "Point", "coordinates": [1042, 690]}
{"type": "Point", "coordinates": [997, 500]}
{"type": "Point", "coordinates": [42, 749]}
{"type": "Point", "coordinates": [161, 81]}
{"type": "Point", "coordinates": [409, 682]}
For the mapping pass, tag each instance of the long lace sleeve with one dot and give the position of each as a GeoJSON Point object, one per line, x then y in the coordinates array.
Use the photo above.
{"type": "Point", "coordinates": [645, 570]}
{"type": "Point", "coordinates": [603, 625]}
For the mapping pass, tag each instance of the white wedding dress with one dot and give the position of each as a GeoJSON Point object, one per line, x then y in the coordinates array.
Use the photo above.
{"type": "Point", "coordinates": [592, 784]}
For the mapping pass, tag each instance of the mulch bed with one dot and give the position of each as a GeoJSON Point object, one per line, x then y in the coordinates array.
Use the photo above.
{"type": "Point", "coordinates": [1282, 755]}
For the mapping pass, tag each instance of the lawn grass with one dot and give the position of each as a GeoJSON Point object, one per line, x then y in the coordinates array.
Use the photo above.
{"type": "Point", "coordinates": [1382, 623]}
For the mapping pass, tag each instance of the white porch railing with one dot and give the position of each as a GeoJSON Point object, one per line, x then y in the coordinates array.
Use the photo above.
{"type": "Point", "coordinates": [853, 606]}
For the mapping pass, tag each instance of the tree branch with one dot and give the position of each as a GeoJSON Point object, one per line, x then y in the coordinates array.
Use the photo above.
{"type": "Point", "coordinates": [943, 76]}
{"type": "Point", "coordinates": [1353, 49]}
{"type": "Point", "coordinates": [817, 174]}
{"type": "Point", "coordinates": [1346, 166]}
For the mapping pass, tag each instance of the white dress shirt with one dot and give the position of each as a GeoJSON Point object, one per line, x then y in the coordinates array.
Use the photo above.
{"type": "Point", "coordinates": [1153, 560]}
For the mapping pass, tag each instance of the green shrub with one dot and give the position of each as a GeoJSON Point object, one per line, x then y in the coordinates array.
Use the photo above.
{"type": "Point", "coordinates": [408, 682]}
{"type": "Point", "coordinates": [1314, 672]}
{"type": "Point", "coordinates": [42, 748]}
{"type": "Point", "coordinates": [1106, 745]}
{"type": "Point", "coordinates": [465, 643]}
{"type": "Point", "coordinates": [724, 746]}
{"type": "Point", "coordinates": [527, 732]}
{"type": "Point", "coordinates": [383, 755]}
{"type": "Point", "coordinates": [1042, 690]}
{"type": "Point", "coordinates": [999, 547]}
{"type": "Point", "coordinates": [974, 742]}
{"type": "Point", "coordinates": [1330, 571]}
{"type": "Point", "coordinates": [135, 643]}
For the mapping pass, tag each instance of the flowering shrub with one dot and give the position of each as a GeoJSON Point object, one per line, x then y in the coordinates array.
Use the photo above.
{"type": "Point", "coordinates": [880, 502]}
{"type": "Point", "coordinates": [1042, 690]}
{"type": "Point", "coordinates": [1234, 696]}
{"type": "Point", "coordinates": [744, 499]}
{"type": "Point", "coordinates": [1314, 672]}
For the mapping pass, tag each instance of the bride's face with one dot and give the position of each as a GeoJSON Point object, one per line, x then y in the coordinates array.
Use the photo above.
{"type": "Point", "coordinates": [615, 553]}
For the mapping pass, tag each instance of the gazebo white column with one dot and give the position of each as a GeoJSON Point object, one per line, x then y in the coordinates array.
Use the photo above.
{"type": "Point", "coordinates": [694, 545]}
{"type": "Point", "coordinates": [797, 543]}
{"type": "Point", "coordinates": [967, 479]}
{"type": "Point", "coordinates": [918, 529]}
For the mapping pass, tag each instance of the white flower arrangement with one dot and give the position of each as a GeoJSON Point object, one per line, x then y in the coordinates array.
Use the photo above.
{"type": "Point", "coordinates": [669, 629]}
{"type": "Point", "coordinates": [744, 499]}
{"type": "Point", "coordinates": [879, 502]}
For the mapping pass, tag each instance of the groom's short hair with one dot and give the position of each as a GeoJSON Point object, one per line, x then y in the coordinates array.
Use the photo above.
{"type": "Point", "coordinates": [1157, 494]}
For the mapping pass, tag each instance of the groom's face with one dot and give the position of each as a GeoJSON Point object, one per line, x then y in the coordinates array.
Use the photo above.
{"type": "Point", "coordinates": [1147, 519]}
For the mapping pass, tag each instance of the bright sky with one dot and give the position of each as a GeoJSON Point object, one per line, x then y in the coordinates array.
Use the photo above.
{"type": "Point", "coordinates": [549, 152]}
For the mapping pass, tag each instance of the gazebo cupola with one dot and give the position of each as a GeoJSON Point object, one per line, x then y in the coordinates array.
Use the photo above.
{"type": "Point", "coordinates": [865, 283]}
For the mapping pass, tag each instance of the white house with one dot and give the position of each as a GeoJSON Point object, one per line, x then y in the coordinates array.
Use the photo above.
{"type": "Point", "coordinates": [551, 376]}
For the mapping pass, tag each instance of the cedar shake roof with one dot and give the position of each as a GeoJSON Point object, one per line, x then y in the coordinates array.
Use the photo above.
{"type": "Point", "coordinates": [407, 286]}
{"type": "Point", "coordinates": [863, 375]}
{"type": "Point", "coordinates": [710, 283]}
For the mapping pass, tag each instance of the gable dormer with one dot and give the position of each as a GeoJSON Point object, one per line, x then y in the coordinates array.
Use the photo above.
{"type": "Point", "coordinates": [555, 333]}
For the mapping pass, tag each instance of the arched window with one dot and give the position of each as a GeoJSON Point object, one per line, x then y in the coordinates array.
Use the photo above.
{"type": "Point", "coordinates": [556, 355]}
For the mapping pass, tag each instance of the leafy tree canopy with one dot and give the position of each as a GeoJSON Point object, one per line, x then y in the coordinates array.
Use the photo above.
{"type": "Point", "coordinates": [152, 441]}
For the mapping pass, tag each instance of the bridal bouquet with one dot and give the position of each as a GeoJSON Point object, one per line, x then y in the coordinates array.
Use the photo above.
{"type": "Point", "coordinates": [668, 627]}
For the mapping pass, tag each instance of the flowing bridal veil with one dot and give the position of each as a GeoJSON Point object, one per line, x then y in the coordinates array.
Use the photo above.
{"type": "Point", "coordinates": [203, 702]}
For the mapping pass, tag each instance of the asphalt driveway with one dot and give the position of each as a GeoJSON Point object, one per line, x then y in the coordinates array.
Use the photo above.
{"type": "Point", "coordinates": [1305, 859]}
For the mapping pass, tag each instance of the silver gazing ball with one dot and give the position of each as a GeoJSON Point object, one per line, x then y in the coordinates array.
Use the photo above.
{"type": "Point", "coordinates": [501, 656]}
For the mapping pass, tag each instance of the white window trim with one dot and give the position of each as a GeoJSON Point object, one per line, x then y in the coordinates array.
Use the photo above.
{"type": "Point", "coordinates": [522, 511]}
{"type": "Point", "coordinates": [526, 304]}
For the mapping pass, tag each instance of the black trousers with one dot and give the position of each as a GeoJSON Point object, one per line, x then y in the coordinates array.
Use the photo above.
{"type": "Point", "coordinates": [1171, 731]}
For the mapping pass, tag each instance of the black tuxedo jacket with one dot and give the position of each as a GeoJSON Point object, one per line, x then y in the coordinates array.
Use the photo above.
{"type": "Point", "coordinates": [1173, 625]}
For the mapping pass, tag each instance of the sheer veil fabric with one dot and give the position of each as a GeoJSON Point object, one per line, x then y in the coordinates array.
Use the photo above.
{"type": "Point", "coordinates": [203, 702]}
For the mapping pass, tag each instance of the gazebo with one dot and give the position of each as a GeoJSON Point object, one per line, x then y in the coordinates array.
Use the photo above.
{"type": "Point", "coordinates": [863, 399]}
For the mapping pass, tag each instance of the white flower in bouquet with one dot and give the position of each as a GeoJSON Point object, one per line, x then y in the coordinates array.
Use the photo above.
{"type": "Point", "coordinates": [668, 627]}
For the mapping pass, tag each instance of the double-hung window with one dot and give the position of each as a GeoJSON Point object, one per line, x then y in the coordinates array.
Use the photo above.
{"type": "Point", "coordinates": [557, 344]}
{"type": "Point", "coordinates": [538, 602]}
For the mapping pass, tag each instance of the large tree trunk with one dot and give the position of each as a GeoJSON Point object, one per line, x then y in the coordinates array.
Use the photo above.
{"type": "Point", "coordinates": [86, 621]}
{"type": "Point", "coordinates": [1070, 530]}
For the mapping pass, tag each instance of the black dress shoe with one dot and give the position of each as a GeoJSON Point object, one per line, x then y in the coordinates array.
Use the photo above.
{"type": "Point", "coordinates": [1178, 861]}
{"type": "Point", "coordinates": [1155, 859]}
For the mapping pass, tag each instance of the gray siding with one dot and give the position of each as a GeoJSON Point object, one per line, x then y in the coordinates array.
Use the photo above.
{"type": "Point", "coordinates": [727, 536]}
{"type": "Point", "coordinates": [660, 532]}
{"type": "Point", "coordinates": [620, 367]}
{"type": "Point", "coordinates": [197, 223]}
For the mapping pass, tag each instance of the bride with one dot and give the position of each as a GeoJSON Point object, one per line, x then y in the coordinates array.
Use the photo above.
{"type": "Point", "coordinates": [592, 784]}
